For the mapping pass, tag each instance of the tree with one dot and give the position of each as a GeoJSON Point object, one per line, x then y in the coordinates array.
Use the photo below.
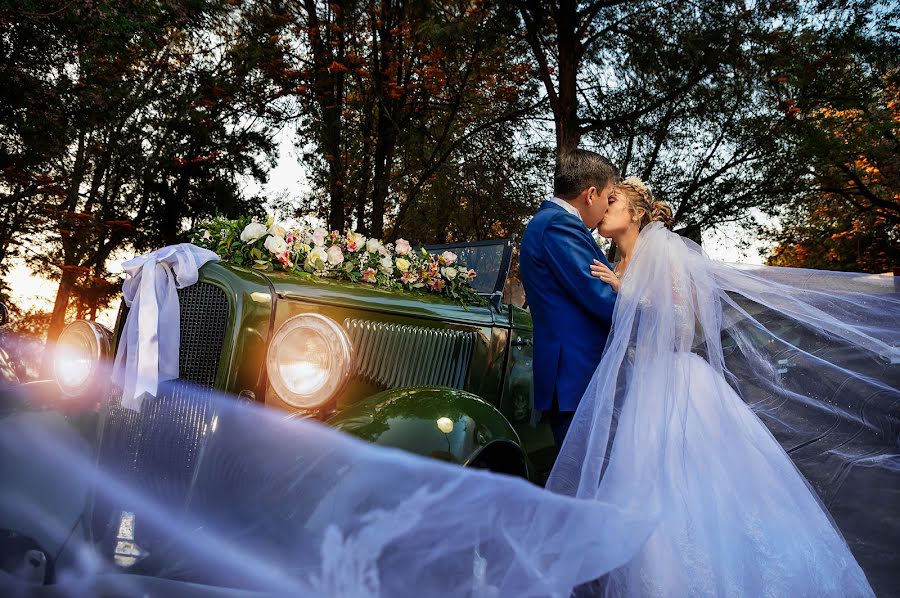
{"type": "Point", "coordinates": [30, 127]}
{"type": "Point", "coordinates": [390, 94]}
{"type": "Point", "coordinates": [681, 93]}
{"type": "Point", "coordinates": [154, 128]}
{"type": "Point", "coordinates": [831, 235]}
{"type": "Point", "coordinates": [844, 94]}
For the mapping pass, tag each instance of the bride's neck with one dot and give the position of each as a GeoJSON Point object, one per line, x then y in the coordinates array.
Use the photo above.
{"type": "Point", "coordinates": [625, 243]}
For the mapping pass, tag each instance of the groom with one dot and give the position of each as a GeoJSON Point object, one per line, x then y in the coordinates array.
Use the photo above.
{"type": "Point", "coordinates": [571, 310]}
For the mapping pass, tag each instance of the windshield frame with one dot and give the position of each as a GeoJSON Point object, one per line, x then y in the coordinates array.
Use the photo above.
{"type": "Point", "coordinates": [505, 260]}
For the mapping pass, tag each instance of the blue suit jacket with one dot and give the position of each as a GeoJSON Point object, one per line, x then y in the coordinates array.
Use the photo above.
{"type": "Point", "coordinates": [571, 310]}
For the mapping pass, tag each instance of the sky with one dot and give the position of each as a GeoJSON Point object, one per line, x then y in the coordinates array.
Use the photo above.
{"type": "Point", "coordinates": [288, 177]}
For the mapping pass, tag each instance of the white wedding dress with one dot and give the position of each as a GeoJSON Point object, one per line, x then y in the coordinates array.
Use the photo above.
{"type": "Point", "coordinates": [668, 484]}
{"type": "Point", "coordinates": [734, 516]}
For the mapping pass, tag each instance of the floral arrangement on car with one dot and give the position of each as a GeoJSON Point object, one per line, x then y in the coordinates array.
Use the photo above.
{"type": "Point", "coordinates": [311, 251]}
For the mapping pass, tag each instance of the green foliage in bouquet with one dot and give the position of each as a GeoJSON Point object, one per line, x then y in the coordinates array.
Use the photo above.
{"type": "Point", "coordinates": [309, 251]}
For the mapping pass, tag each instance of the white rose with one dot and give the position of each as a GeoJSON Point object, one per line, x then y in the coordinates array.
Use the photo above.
{"type": "Point", "coordinates": [253, 231]}
{"type": "Point", "coordinates": [386, 264]}
{"type": "Point", "coordinates": [449, 273]}
{"type": "Point", "coordinates": [402, 265]}
{"type": "Point", "coordinates": [373, 246]}
{"type": "Point", "coordinates": [276, 245]}
{"type": "Point", "coordinates": [402, 247]}
{"type": "Point", "coordinates": [317, 258]}
{"type": "Point", "coordinates": [318, 237]}
{"type": "Point", "coordinates": [277, 230]}
{"type": "Point", "coordinates": [335, 255]}
{"type": "Point", "coordinates": [449, 257]}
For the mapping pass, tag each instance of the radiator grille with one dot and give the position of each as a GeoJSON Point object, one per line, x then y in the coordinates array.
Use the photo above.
{"type": "Point", "coordinates": [157, 448]}
{"type": "Point", "coordinates": [396, 356]}
{"type": "Point", "coordinates": [204, 315]}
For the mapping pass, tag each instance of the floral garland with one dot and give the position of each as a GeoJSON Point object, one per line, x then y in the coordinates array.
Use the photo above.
{"type": "Point", "coordinates": [308, 251]}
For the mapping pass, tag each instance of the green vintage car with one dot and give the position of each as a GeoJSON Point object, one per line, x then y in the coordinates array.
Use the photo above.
{"type": "Point", "coordinates": [402, 369]}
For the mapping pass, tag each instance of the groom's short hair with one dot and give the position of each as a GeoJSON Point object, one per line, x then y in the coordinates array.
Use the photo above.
{"type": "Point", "coordinates": [577, 170]}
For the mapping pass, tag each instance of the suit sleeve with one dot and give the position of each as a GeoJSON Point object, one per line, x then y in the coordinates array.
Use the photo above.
{"type": "Point", "coordinates": [570, 252]}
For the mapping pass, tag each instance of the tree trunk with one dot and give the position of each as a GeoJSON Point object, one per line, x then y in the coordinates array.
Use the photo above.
{"type": "Point", "coordinates": [68, 277]}
{"type": "Point", "coordinates": [58, 317]}
{"type": "Point", "coordinates": [385, 45]}
{"type": "Point", "coordinates": [563, 91]}
{"type": "Point", "coordinates": [568, 133]}
{"type": "Point", "coordinates": [384, 155]}
{"type": "Point", "coordinates": [364, 174]}
{"type": "Point", "coordinates": [328, 88]}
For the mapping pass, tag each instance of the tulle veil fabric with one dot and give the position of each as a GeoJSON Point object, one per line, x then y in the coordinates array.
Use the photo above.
{"type": "Point", "coordinates": [666, 424]}
{"type": "Point", "coordinates": [667, 484]}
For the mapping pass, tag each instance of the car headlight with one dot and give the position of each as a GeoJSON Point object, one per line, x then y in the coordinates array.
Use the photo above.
{"type": "Point", "coordinates": [80, 350]}
{"type": "Point", "coordinates": [309, 360]}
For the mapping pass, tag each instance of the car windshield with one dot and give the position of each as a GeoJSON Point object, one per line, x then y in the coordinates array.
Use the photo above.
{"type": "Point", "coordinates": [490, 259]}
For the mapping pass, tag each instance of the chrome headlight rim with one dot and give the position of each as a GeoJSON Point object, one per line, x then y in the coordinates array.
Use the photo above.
{"type": "Point", "coordinates": [99, 343]}
{"type": "Point", "coordinates": [337, 380]}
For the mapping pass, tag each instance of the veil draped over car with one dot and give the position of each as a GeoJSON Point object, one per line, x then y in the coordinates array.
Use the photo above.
{"type": "Point", "coordinates": [290, 506]}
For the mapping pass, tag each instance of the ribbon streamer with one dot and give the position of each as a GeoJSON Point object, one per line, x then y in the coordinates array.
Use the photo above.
{"type": "Point", "coordinates": [148, 349]}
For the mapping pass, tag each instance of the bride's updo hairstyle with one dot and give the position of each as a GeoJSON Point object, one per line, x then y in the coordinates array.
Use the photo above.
{"type": "Point", "coordinates": [640, 198]}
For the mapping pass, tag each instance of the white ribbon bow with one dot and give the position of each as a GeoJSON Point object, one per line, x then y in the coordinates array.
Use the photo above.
{"type": "Point", "coordinates": [148, 348]}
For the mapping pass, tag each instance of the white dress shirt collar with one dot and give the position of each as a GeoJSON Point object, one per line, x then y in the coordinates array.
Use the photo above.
{"type": "Point", "coordinates": [566, 206]}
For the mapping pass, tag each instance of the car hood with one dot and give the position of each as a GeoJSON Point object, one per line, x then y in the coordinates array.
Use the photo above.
{"type": "Point", "coordinates": [367, 297]}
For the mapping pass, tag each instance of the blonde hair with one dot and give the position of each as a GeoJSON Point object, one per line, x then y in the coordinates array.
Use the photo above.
{"type": "Point", "coordinates": [640, 198]}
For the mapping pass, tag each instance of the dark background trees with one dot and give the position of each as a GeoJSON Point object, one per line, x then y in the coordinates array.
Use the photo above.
{"type": "Point", "coordinates": [843, 89]}
{"type": "Point", "coordinates": [390, 98]}
{"type": "Point", "coordinates": [691, 96]}
{"type": "Point", "coordinates": [123, 122]}
{"type": "Point", "coordinates": [135, 121]}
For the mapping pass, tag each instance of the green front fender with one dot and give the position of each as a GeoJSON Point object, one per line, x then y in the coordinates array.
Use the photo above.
{"type": "Point", "coordinates": [442, 423]}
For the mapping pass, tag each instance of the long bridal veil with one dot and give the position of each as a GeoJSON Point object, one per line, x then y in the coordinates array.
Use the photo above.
{"type": "Point", "coordinates": [661, 458]}
{"type": "Point", "coordinates": [700, 355]}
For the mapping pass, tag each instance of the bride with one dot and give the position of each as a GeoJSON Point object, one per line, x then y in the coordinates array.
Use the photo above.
{"type": "Point", "coordinates": [734, 516]}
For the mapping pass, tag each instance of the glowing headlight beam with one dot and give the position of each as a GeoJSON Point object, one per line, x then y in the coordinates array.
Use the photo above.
{"type": "Point", "coordinates": [79, 351]}
{"type": "Point", "coordinates": [309, 361]}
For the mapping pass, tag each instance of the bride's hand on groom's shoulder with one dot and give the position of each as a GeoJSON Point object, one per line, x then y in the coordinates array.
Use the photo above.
{"type": "Point", "coordinates": [601, 271]}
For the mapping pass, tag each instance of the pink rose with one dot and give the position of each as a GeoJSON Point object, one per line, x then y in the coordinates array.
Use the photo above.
{"type": "Point", "coordinates": [402, 247]}
{"type": "Point", "coordinates": [449, 257]}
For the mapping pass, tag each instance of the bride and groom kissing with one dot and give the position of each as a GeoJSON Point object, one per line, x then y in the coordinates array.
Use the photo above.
{"type": "Point", "coordinates": [629, 366]}
{"type": "Point", "coordinates": [570, 285]}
